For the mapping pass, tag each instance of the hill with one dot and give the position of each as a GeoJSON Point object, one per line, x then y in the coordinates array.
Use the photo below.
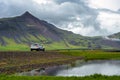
{"type": "Point", "coordinates": [116, 35]}
{"type": "Point", "coordinates": [17, 33]}
{"type": "Point", "coordinates": [26, 29]}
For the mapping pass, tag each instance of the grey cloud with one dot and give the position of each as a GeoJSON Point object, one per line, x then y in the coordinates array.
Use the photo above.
{"type": "Point", "coordinates": [60, 12]}
{"type": "Point", "coordinates": [15, 7]}
{"type": "Point", "coordinates": [119, 10]}
{"type": "Point", "coordinates": [108, 10]}
{"type": "Point", "coordinates": [62, 1]}
{"type": "Point", "coordinates": [83, 11]}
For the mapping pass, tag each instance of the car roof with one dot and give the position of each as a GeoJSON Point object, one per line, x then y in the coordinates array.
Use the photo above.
{"type": "Point", "coordinates": [35, 44]}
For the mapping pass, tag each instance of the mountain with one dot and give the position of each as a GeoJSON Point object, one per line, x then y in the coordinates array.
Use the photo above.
{"type": "Point", "coordinates": [116, 35]}
{"type": "Point", "coordinates": [26, 29]}
{"type": "Point", "coordinates": [25, 25]}
{"type": "Point", "coordinates": [17, 33]}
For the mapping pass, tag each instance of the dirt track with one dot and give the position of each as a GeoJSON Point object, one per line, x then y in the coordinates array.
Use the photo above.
{"type": "Point", "coordinates": [14, 62]}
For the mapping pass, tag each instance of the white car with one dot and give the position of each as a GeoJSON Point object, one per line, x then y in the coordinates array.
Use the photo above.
{"type": "Point", "coordinates": [37, 47]}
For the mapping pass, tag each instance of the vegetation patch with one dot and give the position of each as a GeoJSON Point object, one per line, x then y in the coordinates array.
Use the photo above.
{"type": "Point", "coordinates": [92, 54]}
{"type": "Point", "coordinates": [92, 77]}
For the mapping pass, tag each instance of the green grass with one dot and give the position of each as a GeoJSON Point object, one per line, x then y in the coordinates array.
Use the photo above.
{"type": "Point", "coordinates": [93, 77]}
{"type": "Point", "coordinates": [59, 45]}
{"type": "Point", "coordinates": [13, 46]}
{"type": "Point", "coordinates": [19, 47]}
{"type": "Point", "coordinates": [92, 54]}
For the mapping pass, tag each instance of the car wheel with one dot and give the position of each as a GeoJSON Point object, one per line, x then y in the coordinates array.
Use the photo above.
{"type": "Point", "coordinates": [43, 49]}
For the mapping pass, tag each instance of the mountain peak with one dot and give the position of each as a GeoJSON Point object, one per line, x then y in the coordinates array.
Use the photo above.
{"type": "Point", "coordinates": [27, 14]}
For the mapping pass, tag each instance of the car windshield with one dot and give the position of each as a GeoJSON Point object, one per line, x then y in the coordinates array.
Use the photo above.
{"type": "Point", "coordinates": [35, 44]}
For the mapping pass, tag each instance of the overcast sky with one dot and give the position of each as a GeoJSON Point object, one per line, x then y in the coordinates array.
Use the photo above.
{"type": "Point", "coordinates": [85, 17]}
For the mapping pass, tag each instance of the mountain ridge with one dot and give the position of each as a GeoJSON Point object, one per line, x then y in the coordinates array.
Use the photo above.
{"type": "Point", "coordinates": [26, 29]}
{"type": "Point", "coordinates": [115, 35]}
{"type": "Point", "coordinates": [27, 25]}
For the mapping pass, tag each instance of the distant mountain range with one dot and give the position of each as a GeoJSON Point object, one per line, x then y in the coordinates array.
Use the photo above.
{"type": "Point", "coordinates": [116, 35]}
{"type": "Point", "coordinates": [26, 29]}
